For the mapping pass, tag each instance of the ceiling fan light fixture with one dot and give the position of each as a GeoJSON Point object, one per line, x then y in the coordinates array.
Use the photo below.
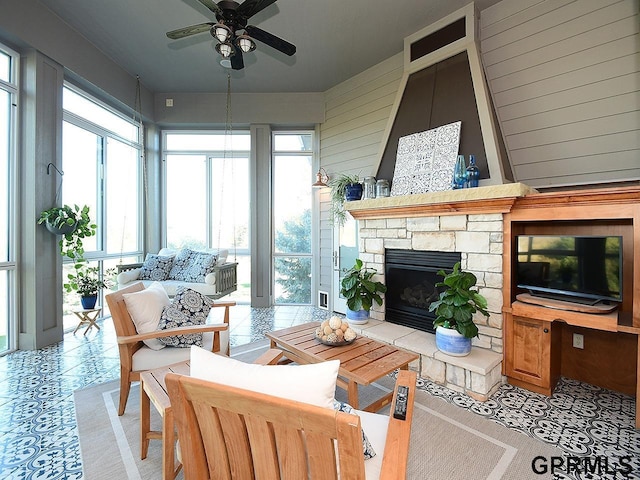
{"type": "Point", "coordinates": [221, 32]}
{"type": "Point", "coordinates": [225, 49]}
{"type": "Point", "coordinates": [245, 43]}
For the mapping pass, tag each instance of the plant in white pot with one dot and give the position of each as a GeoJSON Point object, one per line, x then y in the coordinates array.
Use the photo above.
{"type": "Point", "coordinates": [454, 309]}
{"type": "Point", "coordinates": [360, 291]}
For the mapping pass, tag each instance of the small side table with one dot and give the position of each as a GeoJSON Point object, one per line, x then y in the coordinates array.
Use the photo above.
{"type": "Point", "coordinates": [153, 390]}
{"type": "Point", "coordinates": [87, 317]}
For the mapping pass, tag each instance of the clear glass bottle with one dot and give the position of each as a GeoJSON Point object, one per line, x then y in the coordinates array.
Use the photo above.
{"type": "Point", "coordinates": [369, 188]}
{"type": "Point", "coordinates": [459, 173]}
{"type": "Point", "coordinates": [473, 172]}
{"type": "Point", "coordinates": [382, 188]}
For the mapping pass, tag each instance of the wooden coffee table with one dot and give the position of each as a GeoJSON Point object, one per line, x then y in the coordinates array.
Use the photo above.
{"type": "Point", "coordinates": [361, 363]}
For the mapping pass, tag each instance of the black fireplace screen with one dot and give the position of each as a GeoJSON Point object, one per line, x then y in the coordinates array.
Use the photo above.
{"type": "Point", "coordinates": [410, 276]}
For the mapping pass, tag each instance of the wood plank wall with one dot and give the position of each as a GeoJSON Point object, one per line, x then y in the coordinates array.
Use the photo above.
{"type": "Point", "coordinates": [357, 112]}
{"type": "Point", "coordinates": [565, 79]}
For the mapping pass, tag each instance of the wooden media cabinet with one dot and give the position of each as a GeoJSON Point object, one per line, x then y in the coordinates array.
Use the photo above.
{"type": "Point", "coordinates": [538, 335]}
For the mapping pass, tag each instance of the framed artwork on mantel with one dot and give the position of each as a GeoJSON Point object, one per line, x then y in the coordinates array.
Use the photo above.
{"type": "Point", "coordinates": [425, 160]}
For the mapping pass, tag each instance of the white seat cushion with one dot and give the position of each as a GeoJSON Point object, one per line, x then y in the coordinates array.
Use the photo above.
{"type": "Point", "coordinates": [314, 383]}
{"type": "Point", "coordinates": [376, 426]}
{"type": "Point", "coordinates": [170, 286]}
{"type": "Point", "coordinates": [147, 359]}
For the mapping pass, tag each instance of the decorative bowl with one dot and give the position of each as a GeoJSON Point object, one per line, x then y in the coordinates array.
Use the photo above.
{"type": "Point", "coordinates": [335, 331]}
{"type": "Point", "coordinates": [334, 344]}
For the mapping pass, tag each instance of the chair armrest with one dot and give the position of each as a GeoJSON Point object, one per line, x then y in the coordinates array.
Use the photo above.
{"type": "Point", "coordinates": [270, 357]}
{"type": "Point", "coordinates": [128, 266]}
{"type": "Point", "coordinates": [170, 332]}
{"type": "Point", "coordinates": [396, 449]}
{"type": "Point", "coordinates": [226, 306]}
{"type": "Point", "coordinates": [223, 304]}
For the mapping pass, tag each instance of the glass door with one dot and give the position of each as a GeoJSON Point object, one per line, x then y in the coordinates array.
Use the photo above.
{"type": "Point", "coordinates": [345, 252]}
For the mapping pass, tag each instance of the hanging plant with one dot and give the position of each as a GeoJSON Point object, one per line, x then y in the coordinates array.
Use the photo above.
{"type": "Point", "coordinates": [339, 187]}
{"type": "Point", "coordinates": [74, 224]}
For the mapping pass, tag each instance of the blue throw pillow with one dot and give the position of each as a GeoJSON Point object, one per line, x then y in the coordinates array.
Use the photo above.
{"type": "Point", "coordinates": [188, 307]}
{"type": "Point", "coordinates": [156, 268]}
{"type": "Point", "coordinates": [181, 263]}
{"type": "Point", "coordinates": [367, 449]}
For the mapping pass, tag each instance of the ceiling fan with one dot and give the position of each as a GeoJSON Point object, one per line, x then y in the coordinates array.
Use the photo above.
{"type": "Point", "coordinates": [232, 18]}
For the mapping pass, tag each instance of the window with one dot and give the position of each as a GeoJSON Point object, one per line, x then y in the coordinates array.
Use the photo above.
{"type": "Point", "coordinates": [292, 201]}
{"type": "Point", "coordinates": [102, 163]}
{"type": "Point", "coordinates": [8, 268]}
{"type": "Point", "coordinates": [207, 196]}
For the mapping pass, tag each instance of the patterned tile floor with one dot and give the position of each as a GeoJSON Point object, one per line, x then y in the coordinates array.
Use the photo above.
{"type": "Point", "coordinates": [38, 435]}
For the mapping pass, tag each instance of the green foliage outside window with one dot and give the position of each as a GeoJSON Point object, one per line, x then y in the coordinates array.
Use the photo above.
{"type": "Point", "coordinates": [294, 273]}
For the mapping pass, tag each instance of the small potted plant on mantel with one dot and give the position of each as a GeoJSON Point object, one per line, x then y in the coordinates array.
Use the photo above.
{"type": "Point", "coordinates": [360, 291]}
{"type": "Point", "coordinates": [454, 311]}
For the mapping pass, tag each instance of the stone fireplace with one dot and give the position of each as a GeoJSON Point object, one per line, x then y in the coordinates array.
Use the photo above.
{"type": "Point", "coordinates": [411, 277]}
{"type": "Point", "coordinates": [461, 224]}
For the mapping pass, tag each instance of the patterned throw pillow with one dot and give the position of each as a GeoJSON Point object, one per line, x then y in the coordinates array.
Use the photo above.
{"type": "Point", "coordinates": [156, 268]}
{"type": "Point", "coordinates": [367, 449]}
{"type": "Point", "coordinates": [200, 264]}
{"type": "Point", "coordinates": [192, 266]}
{"type": "Point", "coordinates": [180, 268]}
{"type": "Point", "coordinates": [188, 307]}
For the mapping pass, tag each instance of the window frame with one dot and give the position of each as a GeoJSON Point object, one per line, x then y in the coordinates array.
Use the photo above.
{"type": "Point", "coordinates": [209, 156]}
{"type": "Point", "coordinates": [11, 264]}
{"type": "Point", "coordinates": [311, 153]}
{"type": "Point", "coordinates": [100, 253]}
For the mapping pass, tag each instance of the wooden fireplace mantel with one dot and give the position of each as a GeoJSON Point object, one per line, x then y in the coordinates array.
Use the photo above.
{"type": "Point", "coordinates": [480, 200]}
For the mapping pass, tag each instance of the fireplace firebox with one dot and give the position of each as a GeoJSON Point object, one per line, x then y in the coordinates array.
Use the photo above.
{"type": "Point", "coordinates": [411, 276]}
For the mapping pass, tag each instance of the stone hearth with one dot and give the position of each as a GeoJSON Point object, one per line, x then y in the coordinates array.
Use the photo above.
{"type": "Point", "coordinates": [467, 221]}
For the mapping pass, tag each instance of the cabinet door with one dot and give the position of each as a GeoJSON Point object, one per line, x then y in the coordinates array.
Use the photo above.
{"type": "Point", "coordinates": [529, 351]}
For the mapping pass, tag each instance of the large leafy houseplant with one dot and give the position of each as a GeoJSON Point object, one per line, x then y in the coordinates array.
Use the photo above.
{"type": "Point", "coordinates": [74, 224]}
{"type": "Point", "coordinates": [359, 289]}
{"type": "Point", "coordinates": [87, 280]}
{"type": "Point", "coordinates": [339, 187]}
{"type": "Point", "coordinates": [458, 301]}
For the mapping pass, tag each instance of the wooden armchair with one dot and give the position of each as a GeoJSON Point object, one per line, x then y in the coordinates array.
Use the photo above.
{"type": "Point", "coordinates": [231, 433]}
{"type": "Point", "coordinates": [136, 357]}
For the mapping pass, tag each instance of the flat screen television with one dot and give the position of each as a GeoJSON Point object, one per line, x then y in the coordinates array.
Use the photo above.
{"type": "Point", "coordinates": [582, 269]}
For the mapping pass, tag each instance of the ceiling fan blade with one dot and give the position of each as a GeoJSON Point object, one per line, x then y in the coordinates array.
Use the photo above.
{"type": "Point", "coordinates": [237, 62]}
{"type": "Point", "coordinates": [271, 40]}
{"type": "Point", "coordinates": [211, 6]}
{"type": "Point", "coordinates": [251, 7]}
{"type": "Point", "coordinates": [186, 31]}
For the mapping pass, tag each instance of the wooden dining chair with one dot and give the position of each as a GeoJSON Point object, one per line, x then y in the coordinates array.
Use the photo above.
{"type": "Point", "coordinates": [136, 357]}
{"type": "Point", "coordinates": [232, 433]}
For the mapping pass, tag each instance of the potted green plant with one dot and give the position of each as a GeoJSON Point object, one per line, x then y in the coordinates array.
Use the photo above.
{"type": "Point", "coordinates": [73, 223]}
{"type": "Point", "coordinates": [360, 291]}
{"type": "Point", "coordinates": [343, 188]}
{"type": "Point", "coordinates": [87, 281]}
{"type": "Point", "coordinates": [454, 309]}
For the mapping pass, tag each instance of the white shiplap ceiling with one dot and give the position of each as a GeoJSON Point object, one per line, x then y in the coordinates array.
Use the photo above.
{"type": "Point", "coordinates": [335, 40]}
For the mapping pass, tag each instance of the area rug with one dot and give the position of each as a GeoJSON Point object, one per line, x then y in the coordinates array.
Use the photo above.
{"type": "Point", "coordinates": [447, 442]}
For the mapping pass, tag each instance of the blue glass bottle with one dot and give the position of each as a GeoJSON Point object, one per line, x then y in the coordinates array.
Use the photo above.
{"type": "Point", "coordinates": [459, 173]}
{"type": "Point", "coordinates": [473, 172]}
